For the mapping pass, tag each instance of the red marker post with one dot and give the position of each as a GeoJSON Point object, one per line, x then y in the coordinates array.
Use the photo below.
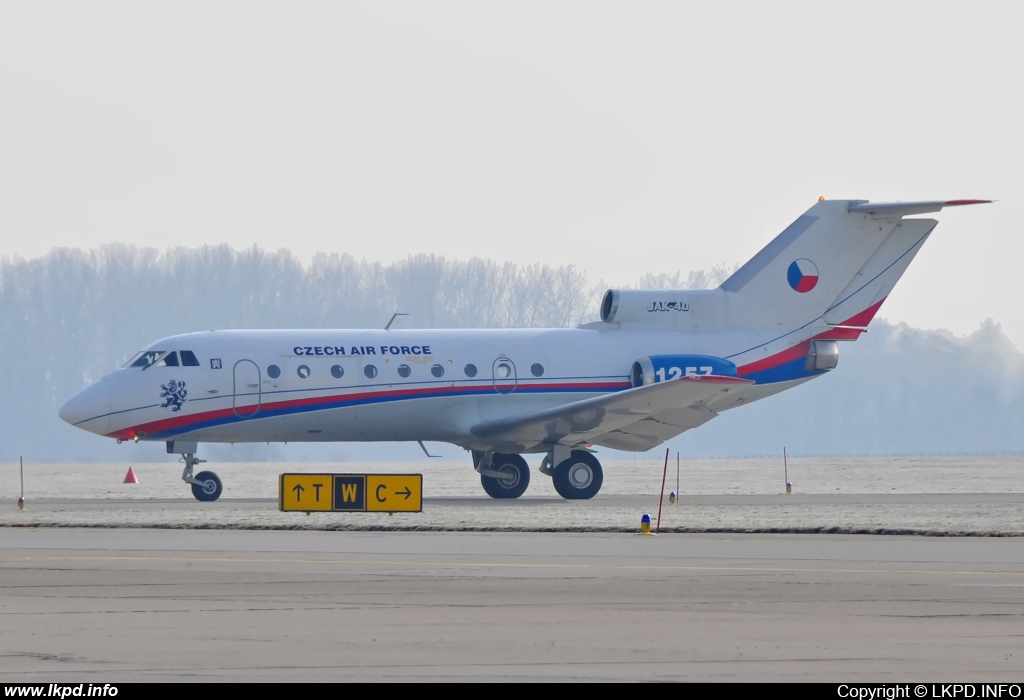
{"type": "Point", "coordinates": [660, 500]}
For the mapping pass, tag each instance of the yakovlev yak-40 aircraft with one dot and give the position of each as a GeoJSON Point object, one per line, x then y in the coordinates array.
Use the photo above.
{"type": "Point", "coordinates": [656, 364]}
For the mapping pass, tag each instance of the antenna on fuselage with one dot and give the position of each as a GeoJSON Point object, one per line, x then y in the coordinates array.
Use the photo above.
{"type": "Point", "coordinates": [393, 317]}
{"type": "Point", "coordinates": [424, 448]}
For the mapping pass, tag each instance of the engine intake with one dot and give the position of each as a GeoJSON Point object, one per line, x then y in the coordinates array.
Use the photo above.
{"type": "Point", "coordinates": [643, 305]}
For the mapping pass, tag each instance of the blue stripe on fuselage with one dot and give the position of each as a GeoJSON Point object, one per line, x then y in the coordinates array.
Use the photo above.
{"type": "Point", "coordinates": [785, 372]}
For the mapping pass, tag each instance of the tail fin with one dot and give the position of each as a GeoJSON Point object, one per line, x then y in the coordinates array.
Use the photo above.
{"type": "Point", "coordinates": [831, 269]}
{"type": "Point", "coordinates": [837, 262]}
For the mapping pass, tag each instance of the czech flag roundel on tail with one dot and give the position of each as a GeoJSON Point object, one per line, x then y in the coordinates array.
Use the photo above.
{"type": "Point", "coordinates": [802, 275]}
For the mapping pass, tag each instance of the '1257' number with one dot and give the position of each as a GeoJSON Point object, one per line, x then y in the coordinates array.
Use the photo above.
{"type": "Point", "coordinates": [662, 373]}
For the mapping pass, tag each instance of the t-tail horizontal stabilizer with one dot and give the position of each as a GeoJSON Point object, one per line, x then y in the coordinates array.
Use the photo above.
{"type": "Point", "coordinates": [886, 209]}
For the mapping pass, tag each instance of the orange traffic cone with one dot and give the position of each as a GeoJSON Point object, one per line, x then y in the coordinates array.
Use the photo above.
{"type": "Point", "coordinates": [130, 477]}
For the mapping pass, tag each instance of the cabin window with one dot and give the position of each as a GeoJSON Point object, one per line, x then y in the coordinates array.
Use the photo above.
{"type": "Point", "coordinates": [370, 371]}
{"type": "Point", "coordinates": [169, 360]}
{"type": "Point", "coordinates": [337, 371]}
{"type": "Point", "coordinates": [503, 370]}
{"type": "Point", "coordinates": [471, 370]}
{"type": "Point", "coordinates": [537, 369]}
{"type": "Point", "coordinates": [437, 371]}
{"type": "Point", "coordinates": [404, 370]}
{"type": "Point", "coordinates": [302, 371]}
{"type": "Point", "coordinates": [188, 359]}
{"type": "Point", "coordinates": [273, 371]}
{"type": "Point", "coordinates": [146, 358]}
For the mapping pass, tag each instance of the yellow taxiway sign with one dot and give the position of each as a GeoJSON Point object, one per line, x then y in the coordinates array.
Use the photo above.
{"type": "Point", "coordinates": [394, 493]}
{"type": "Point", "coordinates": [305, 492]}
{"type": "Point", "coordinates": [382, 493]}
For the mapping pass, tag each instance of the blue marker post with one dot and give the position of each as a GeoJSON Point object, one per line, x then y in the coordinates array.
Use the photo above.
{"type": "Point", "coordinates": [677, 475]}
{"type": "Point", "coordinates": [645, 524]}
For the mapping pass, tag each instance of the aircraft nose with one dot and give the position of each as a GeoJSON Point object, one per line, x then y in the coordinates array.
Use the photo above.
{"type": "Point", "coordinates": [89, 409]}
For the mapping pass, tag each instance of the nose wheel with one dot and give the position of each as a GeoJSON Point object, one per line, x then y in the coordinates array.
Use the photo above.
{"type": "Point", "coordinates": [206, 486]}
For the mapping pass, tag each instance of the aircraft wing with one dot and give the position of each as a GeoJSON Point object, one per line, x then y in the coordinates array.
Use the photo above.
{"type": "Point", "coordinates": [635, 419]}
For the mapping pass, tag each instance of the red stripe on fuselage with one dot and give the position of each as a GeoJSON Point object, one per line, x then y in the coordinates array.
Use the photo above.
{"type": "Point", "coordinates": [840, 334]}
{"type": "Point", "coordinates": [858, 325]}
{"type": "Point", "coordinates": [865, 316]}
{"type": "Point", "coordinates": [801, 349]}
{"type": "Point", "coordinates": [797, 351]}
{"type": "Point", "coordinates": [182, 423]}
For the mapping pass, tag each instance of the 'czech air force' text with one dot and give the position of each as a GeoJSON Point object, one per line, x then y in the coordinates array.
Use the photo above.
{"type": "Point", "coordinates": [339, 350]}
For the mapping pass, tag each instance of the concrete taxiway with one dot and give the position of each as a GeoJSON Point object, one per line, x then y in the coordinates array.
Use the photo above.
{"type": "Point", "coordinates": [100, 605]}
{"type": "Point", "coordinates": [979, 514]}
{"type": "Point", "coordinates": [947, 496]}
{"type": "Point", "coordinates": [102, 581]}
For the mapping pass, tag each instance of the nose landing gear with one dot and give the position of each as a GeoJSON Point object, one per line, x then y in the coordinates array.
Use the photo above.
{"type": "Point", "coordinates": [206, 486]}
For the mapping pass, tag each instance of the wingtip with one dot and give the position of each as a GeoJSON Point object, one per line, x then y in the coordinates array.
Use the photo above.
{"type": "Point", "coordinates": [966, 202]}
{"type": "Point", "coordinates": [715, 379]}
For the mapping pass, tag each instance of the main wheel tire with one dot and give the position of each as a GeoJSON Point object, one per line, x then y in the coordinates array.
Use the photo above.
{"type": "Point", "coordinates": [578, 477]}
{"type": "Point", "coordinates": [515, 481]}
{"type": "Point", "coordinates": [210, 487]}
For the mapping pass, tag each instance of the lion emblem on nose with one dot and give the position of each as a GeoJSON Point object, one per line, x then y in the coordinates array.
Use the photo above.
{"type": "Point", "coordinates": [174, 394]}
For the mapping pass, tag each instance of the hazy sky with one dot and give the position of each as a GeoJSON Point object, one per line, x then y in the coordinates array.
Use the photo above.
{"type": "Point", "coordinates": [619, 137]}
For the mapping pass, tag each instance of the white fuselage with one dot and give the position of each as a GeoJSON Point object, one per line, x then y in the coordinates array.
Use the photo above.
{"type": "Point", "coordinates": [377, 385]}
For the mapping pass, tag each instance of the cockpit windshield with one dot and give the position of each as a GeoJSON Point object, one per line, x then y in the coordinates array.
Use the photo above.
{"type": "Point", "coordinates": [169, 360]}
{"type": "Point", "coordinates": [145, 358]}
{"type": "Point", "coordinates": [163, 358]}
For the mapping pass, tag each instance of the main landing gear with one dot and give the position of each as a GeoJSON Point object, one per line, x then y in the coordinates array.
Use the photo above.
{"type": "Point", "coordinates": [206, 486]}
{"type": "Point", "coordinates": [577, 474]}
{"type": "Point", "coordinates": [502, 476]}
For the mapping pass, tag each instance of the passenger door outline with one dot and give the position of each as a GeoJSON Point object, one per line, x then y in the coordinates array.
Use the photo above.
{"type": "Point", "coordinates": [248, 393]}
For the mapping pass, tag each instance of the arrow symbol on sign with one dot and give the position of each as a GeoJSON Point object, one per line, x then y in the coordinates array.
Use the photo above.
{"type": "Point", "coordinates": [298, 492]}
{"type": "Point", "coordinates": [407, 493]}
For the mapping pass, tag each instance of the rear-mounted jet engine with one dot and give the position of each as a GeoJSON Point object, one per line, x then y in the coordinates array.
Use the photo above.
{"type": "Point", "coordinates": [661, 368]}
